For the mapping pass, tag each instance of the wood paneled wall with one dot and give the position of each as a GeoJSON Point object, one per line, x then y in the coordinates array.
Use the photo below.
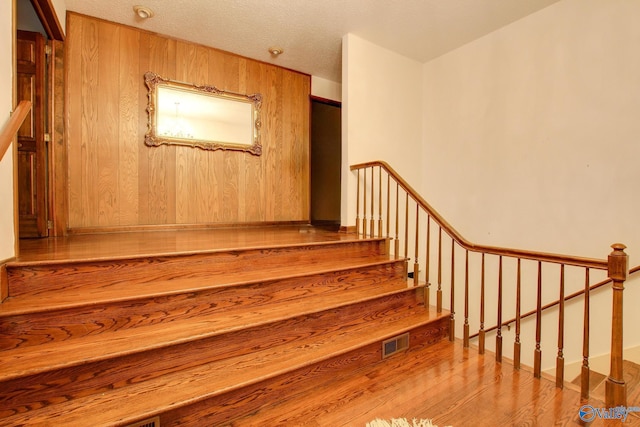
{"type": "Point", "coordinates": [115, 180]}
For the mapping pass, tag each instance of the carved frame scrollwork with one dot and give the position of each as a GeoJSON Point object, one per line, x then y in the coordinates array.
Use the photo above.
{"type": "Point", "coordinates": [154, 139]}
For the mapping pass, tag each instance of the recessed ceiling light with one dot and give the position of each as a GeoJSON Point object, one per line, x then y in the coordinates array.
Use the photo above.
{"type": "Point", "coordinates": [143, 12]}
{"type": "Point", "coordinates": [275, 51]}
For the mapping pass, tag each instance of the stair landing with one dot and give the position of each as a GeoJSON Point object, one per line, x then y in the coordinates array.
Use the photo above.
{"type": "Point", "coordinates": [170, 242]}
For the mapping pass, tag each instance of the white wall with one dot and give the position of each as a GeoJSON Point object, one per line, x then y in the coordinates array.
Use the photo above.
{"type": "Point", "coordinates": [7, 237]}
{"type": "Point", "coordinates": [541, 122]}
{"type": "Point", "coordinates": [60, 7]}
{"type": "Point", "coordinates": [532, 138]}
{"type": "Point", "coordinates": [381, 114]}
{"type": "Point", "coordinates": [326, 89]}
{"type": "Point", "coordinates": [524, 138]}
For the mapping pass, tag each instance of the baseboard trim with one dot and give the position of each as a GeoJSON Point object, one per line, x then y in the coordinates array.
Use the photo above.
{"type": "Point", "coordinates": [173, 227]}
{"type": "Point", "coordinates": [351, 229]}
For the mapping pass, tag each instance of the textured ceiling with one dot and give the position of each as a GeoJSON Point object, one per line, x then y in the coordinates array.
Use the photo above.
{"type": "Point", "coordinates": [310, 31]}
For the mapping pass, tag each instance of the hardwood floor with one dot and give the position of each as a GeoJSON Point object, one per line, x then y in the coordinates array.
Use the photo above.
{"type": "Point", "coordinates": [452, 385]}
{"type": "Point", "coordinates": [169, 242]}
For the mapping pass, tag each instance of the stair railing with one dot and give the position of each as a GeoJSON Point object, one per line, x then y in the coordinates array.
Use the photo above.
{"type": "Point", "coordinates": [391, 208]}
{"type": "Point", "coordinates": [508, 323]}
{"type": "Point", "coordinates": [11, 128]}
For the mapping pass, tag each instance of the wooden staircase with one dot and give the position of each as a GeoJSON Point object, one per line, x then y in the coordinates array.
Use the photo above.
{"type": "Point", "coordinates": [200, 337]}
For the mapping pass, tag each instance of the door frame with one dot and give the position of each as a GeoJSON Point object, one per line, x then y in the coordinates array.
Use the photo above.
{"type": "Point", "coordinates": [48, 17]}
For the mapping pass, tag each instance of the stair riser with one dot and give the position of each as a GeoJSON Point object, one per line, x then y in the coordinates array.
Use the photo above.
{"type": "Point", "coordinates": [73, 277]}
{"type": "Point", "coordinates": [222, 410]}
{"type": "Point", "coordinates": [41, 390]}
{"type": "Point", "coordinates": [49, 326]}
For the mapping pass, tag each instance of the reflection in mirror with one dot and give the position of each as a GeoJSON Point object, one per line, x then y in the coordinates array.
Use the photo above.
{"type": "Point", "coordinates": [202, 116]}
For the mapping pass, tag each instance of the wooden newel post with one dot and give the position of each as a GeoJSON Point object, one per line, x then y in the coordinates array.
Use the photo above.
{"type": "Point", "coordinates": [615, 387]}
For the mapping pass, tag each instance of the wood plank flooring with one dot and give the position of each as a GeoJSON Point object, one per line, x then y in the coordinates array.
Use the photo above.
{"type": "Point", "coordinates": [169, 242]}
{"type": "Point", "coordinates": [452, 385]}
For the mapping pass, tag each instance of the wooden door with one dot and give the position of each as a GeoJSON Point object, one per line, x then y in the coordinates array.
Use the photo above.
{"type": "Point", "coordinates": [32, 176]}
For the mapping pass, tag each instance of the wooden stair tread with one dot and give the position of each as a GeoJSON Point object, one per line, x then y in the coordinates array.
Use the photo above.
{"type": "Point", "coordinates": [126, 245]}
{"type": "Point", "coordinates": [82, 276]}
{"type": "Point", "coordinates": [30, 360]}
{"type": "Point", "coordinates": [205, 381]}
{"type": "Point", "coordinates": [124, 291]}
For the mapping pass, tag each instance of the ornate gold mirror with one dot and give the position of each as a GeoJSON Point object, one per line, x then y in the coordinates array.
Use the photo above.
{"type": "Point", "coordinates": [201, 116]}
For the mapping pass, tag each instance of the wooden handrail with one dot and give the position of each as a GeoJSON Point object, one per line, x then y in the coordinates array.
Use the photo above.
{"type": "Point", "coordinates": [600, 264]}
{"type": "Point", "coordinates": [616, 265]}
{"type": "Point", "coordinates": [606, 281]}
{"type": "Point", "coordinates": [11, 128]}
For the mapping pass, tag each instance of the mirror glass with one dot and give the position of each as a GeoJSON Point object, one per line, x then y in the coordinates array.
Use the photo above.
{"type": "Point", "coordinates": [202, 116]}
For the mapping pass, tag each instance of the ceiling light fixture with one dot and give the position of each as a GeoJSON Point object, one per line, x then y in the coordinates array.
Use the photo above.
{"type": "Point", "coordinates": [143, 12]}
{"type": "Point", "coordinates": [275, 51]}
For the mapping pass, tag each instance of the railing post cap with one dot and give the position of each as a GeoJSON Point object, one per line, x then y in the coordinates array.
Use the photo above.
{"type": "Point", "coordinates": [618, 263]}
{"type": "Point", "coordinates": [618, 247]}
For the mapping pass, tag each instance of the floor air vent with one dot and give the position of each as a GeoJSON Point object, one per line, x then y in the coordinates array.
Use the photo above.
{"type": "Point", "coordinates": [395, 344]}
{"type": "Point", "coordinates": [150, 422]}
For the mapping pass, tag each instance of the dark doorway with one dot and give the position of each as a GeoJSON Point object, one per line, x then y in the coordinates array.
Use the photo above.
{"type": "Point", "coordinates": [326, 160]}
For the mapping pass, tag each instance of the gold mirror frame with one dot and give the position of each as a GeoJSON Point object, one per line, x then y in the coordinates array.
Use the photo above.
{"type": "Point", "coordinates": [154, 138]}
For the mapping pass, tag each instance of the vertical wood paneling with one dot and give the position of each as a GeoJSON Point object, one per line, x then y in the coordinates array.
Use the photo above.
{"type": "Point", "coordinates": [242, 160]}
{"type": "Point", "coordinates": [299, 123]}
{"type": "Point", "coordinates": [254, 209]}
{"type": "Point", "coordinates": [89, 135]}
{"type": "Point", "coordinates": [169, 169]}
{"type": "Point", "coordinates": [216, 170]}
{"type": "Point", "coordinates": [129, 117]}
{"type": "Point", "coordinates": [186, 71]}
{"type": "Point", "coordinates": [202, 158]}
{"type": "Point", "coordinates": [144, 216]}
{"type": "Point", "coordinates": [162, 161]}
{"type": "Point", "coordinates": [108, 119]}
{"type": "Point", "coordinates": [230, 188]}
{"type": "Point", "coordinates": [158, 186]}
{"type": "Point", "coordinates": [115, 180]}
{"type": "Point", "coordinates": [230, 196]}
{"type": "Point", "coordinates": [272, 121]}
{"type": "Point", "coordinates": [287, 160]}
{"type": "Point", "coordinates": [73, 126]}
{"type": "Point", "coordinates": [303, 159]}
